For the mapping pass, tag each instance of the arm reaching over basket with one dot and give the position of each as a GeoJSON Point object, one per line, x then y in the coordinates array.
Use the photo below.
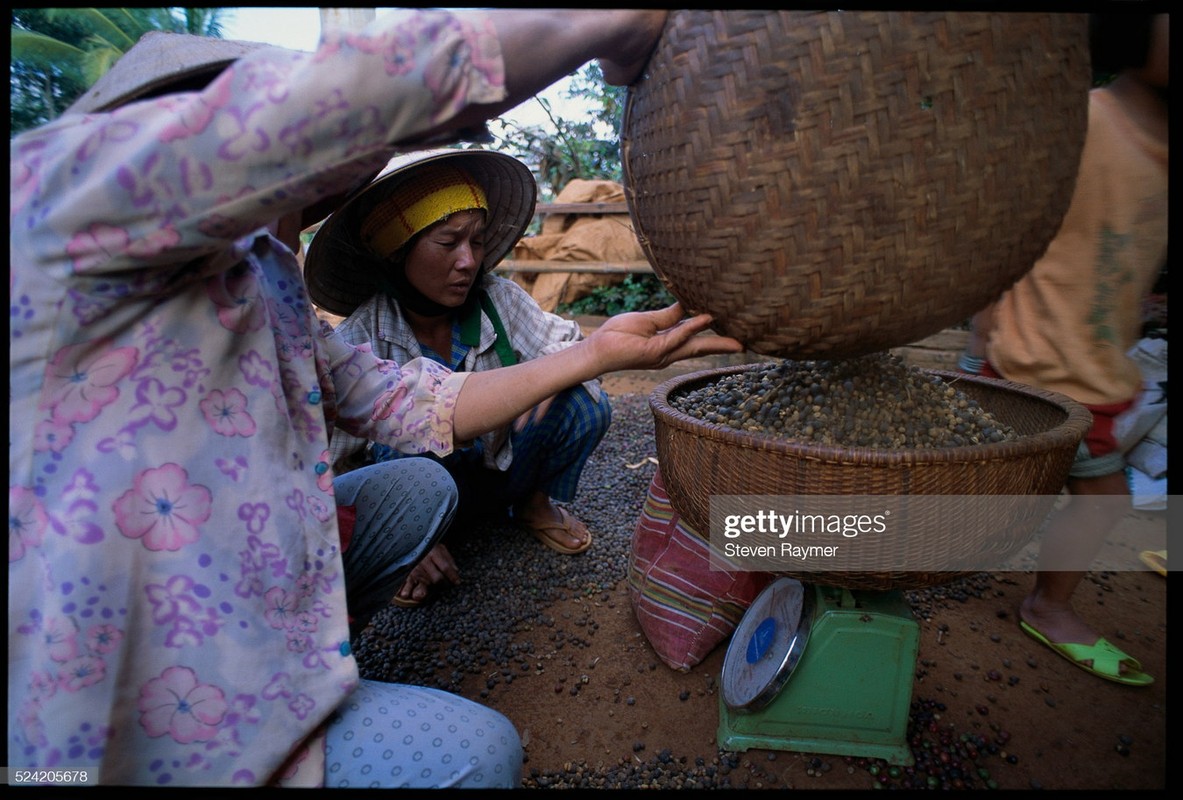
{"type": "Point", "coordinates": [559, 41]}
{"type": "Point", "coordinates": [636, 340]}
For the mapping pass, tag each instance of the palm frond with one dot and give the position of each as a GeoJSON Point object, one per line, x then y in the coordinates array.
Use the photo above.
{"type": "Point", "coordinates": [100, 22]}
{"type": "Point", "coordinates": [44, 51]}
{"type": "Point", "coordinates": [96, 62]}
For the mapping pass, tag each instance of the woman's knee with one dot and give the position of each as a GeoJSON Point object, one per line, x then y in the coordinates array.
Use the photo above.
{"type": "Point", "coordinates": [421, 480]}
{"type": "Point", "coordinates": [393, 735]}
{"type": "Point", "coordinates": [603, 412]}
{"type": "Point", "coordinates": [419, 469]}
{"type": "Point", "coordinates": [587, 414]}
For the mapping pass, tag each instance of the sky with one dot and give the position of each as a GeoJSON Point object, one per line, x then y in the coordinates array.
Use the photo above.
{"type": "Point", "coordinates": [299, 28]}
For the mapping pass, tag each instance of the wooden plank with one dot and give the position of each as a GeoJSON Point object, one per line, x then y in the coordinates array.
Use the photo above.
{"type": "Point", "coordinates": [938, 351]}
{"type": "Point", "coordinates": [582, 208]}
{"type": "Point", "coordinates": [948, 339]}
{"type": "Point", "coordinates": [601, 267]}
{"type": "Point", "coordinates": [928, 359]}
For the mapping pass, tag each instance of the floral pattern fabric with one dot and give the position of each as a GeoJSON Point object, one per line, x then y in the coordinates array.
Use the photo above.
{"type": "Point", "coordinates": [176, 608]}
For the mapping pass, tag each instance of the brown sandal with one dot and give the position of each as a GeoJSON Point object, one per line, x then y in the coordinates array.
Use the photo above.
{"type": "Point", "coordinates": [568, 523]}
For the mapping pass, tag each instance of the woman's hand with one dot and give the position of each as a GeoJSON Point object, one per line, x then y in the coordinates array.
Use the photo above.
{"type": "Point", "coordinates": [656, 339]}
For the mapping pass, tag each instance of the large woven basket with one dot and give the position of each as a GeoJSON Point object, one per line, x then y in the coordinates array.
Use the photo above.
{"type": "Point", "coordinates": [699, 460]}
{"type": "Point", "coordinates": [830, 184]}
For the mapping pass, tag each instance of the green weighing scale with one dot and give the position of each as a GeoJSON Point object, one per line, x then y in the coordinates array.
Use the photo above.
{"type": "Point", "coordinates": [820, 669]}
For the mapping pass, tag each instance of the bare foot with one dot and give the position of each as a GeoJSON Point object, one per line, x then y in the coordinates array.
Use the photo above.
{"type": "Point", "coordinates": [1058, 624]}
{"type": "Point", "coordinates": [1061, 625]}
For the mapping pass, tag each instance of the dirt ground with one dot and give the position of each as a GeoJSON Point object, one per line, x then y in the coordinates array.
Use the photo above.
{"type": "Point", "coordinates": [1030, 719]}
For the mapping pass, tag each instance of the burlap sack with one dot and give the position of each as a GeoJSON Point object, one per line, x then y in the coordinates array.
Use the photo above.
{"type": "Point", "coordinates": [578, 237]}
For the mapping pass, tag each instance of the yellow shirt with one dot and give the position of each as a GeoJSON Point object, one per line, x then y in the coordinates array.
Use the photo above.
{"type": "Point", "coordinates": [1067, 325]}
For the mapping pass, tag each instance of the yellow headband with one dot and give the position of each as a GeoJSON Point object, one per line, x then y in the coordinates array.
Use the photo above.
{"type": "Point", "coordinates": [432, 193]}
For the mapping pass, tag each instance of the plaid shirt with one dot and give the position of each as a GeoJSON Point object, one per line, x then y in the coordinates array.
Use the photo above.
{"type": "Point", "coordinates": [532, 332]}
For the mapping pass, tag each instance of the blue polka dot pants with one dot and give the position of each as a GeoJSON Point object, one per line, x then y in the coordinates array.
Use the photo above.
{"type": "Point", "coordinates": [403, 508]}
{"type": "Point", "coordinates": [393, 735]}
{"type": "Point", "coordinates": [397, 736]}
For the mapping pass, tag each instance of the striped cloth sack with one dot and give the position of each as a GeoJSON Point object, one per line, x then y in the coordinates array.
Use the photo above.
{"type": "Point", "coordinates": [684, 608]}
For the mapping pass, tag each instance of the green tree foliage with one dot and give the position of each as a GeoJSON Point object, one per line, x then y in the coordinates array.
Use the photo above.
{"type": "Point", "coordinates": [565, 149]}
{"type": "Point", "coordinates": [58, 53]}
{"type": "Point", "coordinates": [636, 293]}
{"type": "Point", "coordinates": [588, 148]}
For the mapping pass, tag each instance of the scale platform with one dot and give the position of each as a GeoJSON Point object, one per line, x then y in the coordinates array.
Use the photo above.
{"type": "Point", "coordinates": [821, 669]}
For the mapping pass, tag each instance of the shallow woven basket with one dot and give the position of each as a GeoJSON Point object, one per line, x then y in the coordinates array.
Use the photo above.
{"type": "Point", "coordinates": [700, 459]}
{"type": "Point", "coordinates": [830, 184]}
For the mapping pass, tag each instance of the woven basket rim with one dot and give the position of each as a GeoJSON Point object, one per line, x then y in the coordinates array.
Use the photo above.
{"type": "Point", "coordinates": [1069, 432]}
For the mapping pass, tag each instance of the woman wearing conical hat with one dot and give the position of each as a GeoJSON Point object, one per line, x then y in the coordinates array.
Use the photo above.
{"type": "Point", "coordinates": [408, 261]}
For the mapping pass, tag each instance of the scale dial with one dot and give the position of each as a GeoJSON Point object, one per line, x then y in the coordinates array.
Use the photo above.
{"type": "Point", "coordinates": [767, 645]}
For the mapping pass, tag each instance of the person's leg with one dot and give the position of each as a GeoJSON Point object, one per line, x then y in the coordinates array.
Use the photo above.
{"type": "Point", "coordinates": [399, 736]}
{"type": "Point", "coordinates": [550, 453]}
{"type": "Point", "coordinates": [465, 467]}
{"type": "Point", "coordinates": [403, 507]}
{"type": "Point", "coordinates": [1074, 536]}
{"type": "Point", "coordinates": [1100, 497]}
{"type": "Point", "coordinates": [549, 456]}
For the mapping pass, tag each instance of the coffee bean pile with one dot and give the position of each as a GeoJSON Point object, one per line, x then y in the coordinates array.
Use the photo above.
{"type": "Point", "coordinates": [874, 401]}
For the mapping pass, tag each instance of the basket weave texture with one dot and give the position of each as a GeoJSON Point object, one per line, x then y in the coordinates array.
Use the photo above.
{"type": "Point", "coordinates": [700, 460]}
{"type": "Point", "coordinates": [831, 184]}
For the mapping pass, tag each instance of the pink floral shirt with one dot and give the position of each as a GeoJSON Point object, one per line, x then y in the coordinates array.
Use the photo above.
{"type": "Point", "coordinates": [176, 608]}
